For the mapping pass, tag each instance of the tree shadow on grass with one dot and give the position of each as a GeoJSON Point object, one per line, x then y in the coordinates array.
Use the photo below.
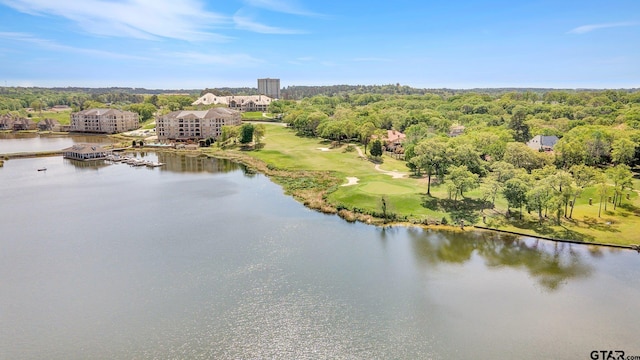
{"type": "Point", "coordinates": [544, 229]}
{"type": "Point", "coordinates": [464, 209]}
{"type": "Point", "coordinates": [593, 223]}
{"type": "Point", "coordinates": [630, 208]}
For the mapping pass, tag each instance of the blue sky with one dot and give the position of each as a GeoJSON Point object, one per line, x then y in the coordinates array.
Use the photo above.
{"type": "Point", "coordinates": [194, 44]}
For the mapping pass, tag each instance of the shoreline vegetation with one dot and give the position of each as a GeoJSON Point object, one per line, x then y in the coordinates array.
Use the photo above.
{"type": "Point", "coordinates": [313, 188]}
{"type": "Point", "coordinates": [311, 183]}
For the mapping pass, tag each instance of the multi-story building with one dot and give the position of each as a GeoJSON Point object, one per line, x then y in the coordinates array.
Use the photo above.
{"type": "Point", "coordinates": [195, 125]}
{"type": "Point", "coordinates": [237, 102]}
{"type": "Point", "coordinates": [269, 87]}
{"type": "Point", "coordinates": [108, 121]}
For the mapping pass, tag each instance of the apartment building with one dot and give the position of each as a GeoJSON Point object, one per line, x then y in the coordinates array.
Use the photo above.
{"type": "Point", "coordinates": [195, 125]}
{"type": "Point", "coordinates": [108, 121]}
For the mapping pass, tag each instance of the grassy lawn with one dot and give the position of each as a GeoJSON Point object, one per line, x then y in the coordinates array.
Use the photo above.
{"type": "Point", "coordinates": [256, 115]}
{"type": "Point", "coordinates": [62, 116]}
{"type": "Point", "coordinates": [407, 197]}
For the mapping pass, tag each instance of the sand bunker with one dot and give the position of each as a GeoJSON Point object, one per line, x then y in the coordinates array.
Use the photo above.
{"type": "Point", "coordinates": [351, 181]}
{"type": "Point", "coordinates": [323, 149]}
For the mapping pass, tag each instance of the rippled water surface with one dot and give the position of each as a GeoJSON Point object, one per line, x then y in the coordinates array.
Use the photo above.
{"type": "Point", "coordinates": [200, 259]}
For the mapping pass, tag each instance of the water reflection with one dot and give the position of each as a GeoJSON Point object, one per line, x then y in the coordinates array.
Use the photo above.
{"type": "Point", "coordinates": [551, 264]}
{"type": "Point", "coordinates": [193, 164]}
{"type": "Point", "coordinates": [87, 165]}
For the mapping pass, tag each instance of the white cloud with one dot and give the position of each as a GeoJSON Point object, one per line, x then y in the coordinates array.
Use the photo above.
{"type": "Point", "coordinates": [244, 22]}
{"type": "Point", "coordinates": [588, 28]}
{"type": "Point", "coordinates": [235, 60]}
{"type": "Point", "coordinates": [282, 6]}
{"type": "Point", "coordinates": [54, 46]}
{"type": "Point", "coordinates": [143, 19]}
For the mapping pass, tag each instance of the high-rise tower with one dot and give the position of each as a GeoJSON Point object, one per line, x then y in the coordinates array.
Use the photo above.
{"type": "Point", "coordinates": [269, 87]}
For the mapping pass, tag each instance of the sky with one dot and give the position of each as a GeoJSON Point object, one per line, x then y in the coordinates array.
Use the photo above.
{"type": "Point", "coordinates": [194, 44]}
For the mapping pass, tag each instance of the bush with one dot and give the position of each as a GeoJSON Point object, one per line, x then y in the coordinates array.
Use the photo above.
{"type": "Point", "coordinates": [444, 220]}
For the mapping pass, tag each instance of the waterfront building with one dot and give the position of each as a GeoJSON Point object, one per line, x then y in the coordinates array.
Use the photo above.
{"type": "Point", "coordinates": [237, 102]}
{"type": "Point", "coordinates": [195, 125]}
{"type": "Point", "coordinates": [269, 87]}
{"type": "Point", "coordinates": [108, 121]}
{"type": "Point", "coordinates": [85, 152]}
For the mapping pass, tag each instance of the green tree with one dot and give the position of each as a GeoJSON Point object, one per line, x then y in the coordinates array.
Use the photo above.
{"type": "Point", "coordinates": [461, 180]}
{"type": "Point", "coordinates": [365, 131]}
{"type": "Point", "coordinates": [538, 198]}
{"type": "Point", "coordinates": [518, 125]}
{"type": "Point", "coordinates": [430, 155]}
{"type": "Point", "coordinates": [376, 148]}
{"type": "Point", "coordinates": [623, 151]}
{"type": "Point", "coordinates": [258, 132]}
{"type": "Point", "coordinates": [246, 133]}
{"type": "Point", "coordinates": [515, 191]}
{"type": "Point", "coordinates": [144, 110]}
{"type": "Point", "coordinates": [622, 178]}
{"type": "Point", "coordinates": [583, 176]}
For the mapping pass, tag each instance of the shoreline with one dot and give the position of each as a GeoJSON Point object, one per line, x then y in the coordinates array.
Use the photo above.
{"type": "Point", "coordinates": [352, 216]}
{"type": "Point", "coordinates": [324, 182]}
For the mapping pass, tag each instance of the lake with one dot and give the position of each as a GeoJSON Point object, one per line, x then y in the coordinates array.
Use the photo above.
{"type": "Point", "coordinates": [34, 142]}
{"type": "Point", "coordinates": [202, 259]}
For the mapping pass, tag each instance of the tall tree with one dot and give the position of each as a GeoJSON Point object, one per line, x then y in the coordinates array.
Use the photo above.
{"type": "Point", "coordinates": [246, 133]}
{"type": "Point", "coordinates": [461, 180]}
{"type": "Point", "coordinates": [258, 132]}
{"type": "Point", "coordinates": [365, 131]}
{"type": "Point", "coordinates": [623, 151]}
{"type": "Point", "coordinates": [431, 157]}
{"type": "Point", "coordinates": [515, 191]}
{"type": "Point", "coordinates": [376, 148]}
{"type": "Point", "coordinates": [518, 125]}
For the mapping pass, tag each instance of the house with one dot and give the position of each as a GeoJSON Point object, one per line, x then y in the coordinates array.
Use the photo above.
{"type": "Point", "coordinates": [6, 122]}
{"type": "Point", "coordinates": [238, 102]}
{"type": "Point", "coordinates": [49, 125]}
{"type": "Point", "coordinates": [24, 124]}
{"type": "Point", "coordinates": [195, 125]}
{"type": "Point", "coordinates": [392, 141]}
{"type": "Point", "coordinates": [543, 143]}
{"type": "Point", "coordinates": [108, 121]}
{"type": "Point", "coordinates": [456, 130]}
{"type": "Point", "coordinates": [85, 152]}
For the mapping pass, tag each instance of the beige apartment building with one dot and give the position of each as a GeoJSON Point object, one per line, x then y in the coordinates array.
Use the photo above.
{"type": "Point", "coordinates": [238, 102]}
{"type": "Point", "coordinates": [195, 125]}
{"type": "Point", "coordinates": [108, 121]}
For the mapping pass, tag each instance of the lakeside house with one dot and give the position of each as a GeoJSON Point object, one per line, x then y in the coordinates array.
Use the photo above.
{"type": "Point", "coordinates": [49, 125]}
{"type": "Point", "coordinates": [543, 143]}
{"type": "Point", "coordinates": [237, 102]}
{"type": "Point", "coordinates": [24, 124]}
{"type": "Point", "coordinates": [109, 121]}
{"type": "Point", "coordinates": [195, 125]}
{"type": "Point", "coordinates": [85, 152]}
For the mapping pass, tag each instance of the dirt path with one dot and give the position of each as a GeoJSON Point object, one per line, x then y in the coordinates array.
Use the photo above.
{"type": "Point", "coordinates": [394, 174]}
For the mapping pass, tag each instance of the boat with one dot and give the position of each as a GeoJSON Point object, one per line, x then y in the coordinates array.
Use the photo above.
{"type": "Point", "coordinates": [42, 169]}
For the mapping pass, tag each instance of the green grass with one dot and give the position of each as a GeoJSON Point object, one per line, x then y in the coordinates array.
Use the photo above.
{"type": "Point", "coordinates": [407, 196]}
{"type": "Point", "coordinates": [63, 116]}
{"type": "Point", "coordinates": [256, 115]}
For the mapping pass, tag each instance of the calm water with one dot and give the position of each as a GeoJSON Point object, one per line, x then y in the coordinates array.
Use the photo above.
{"type": "Point", "coordinates": [201, 260]}
{"type": "Point", "coordinates": [25, 142]}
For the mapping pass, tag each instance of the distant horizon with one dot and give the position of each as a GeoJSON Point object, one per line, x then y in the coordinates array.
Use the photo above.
{"type": "Point", "coordinates": [465, 44]}
{"type": "Point", "coordinates": [341, 84]}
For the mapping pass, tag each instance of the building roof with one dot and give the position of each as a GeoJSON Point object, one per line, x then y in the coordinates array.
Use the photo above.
{"type": "Point", "coordinates": [542, 141]}
{"type": "Point", "coordinates": [201, 114]}
{"type": "Point", "coordinates": [211, 99]}
{"type": "Point", "coordinates": [85, 149]}
{"type": "Point", "coordinates": [100, 112]}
